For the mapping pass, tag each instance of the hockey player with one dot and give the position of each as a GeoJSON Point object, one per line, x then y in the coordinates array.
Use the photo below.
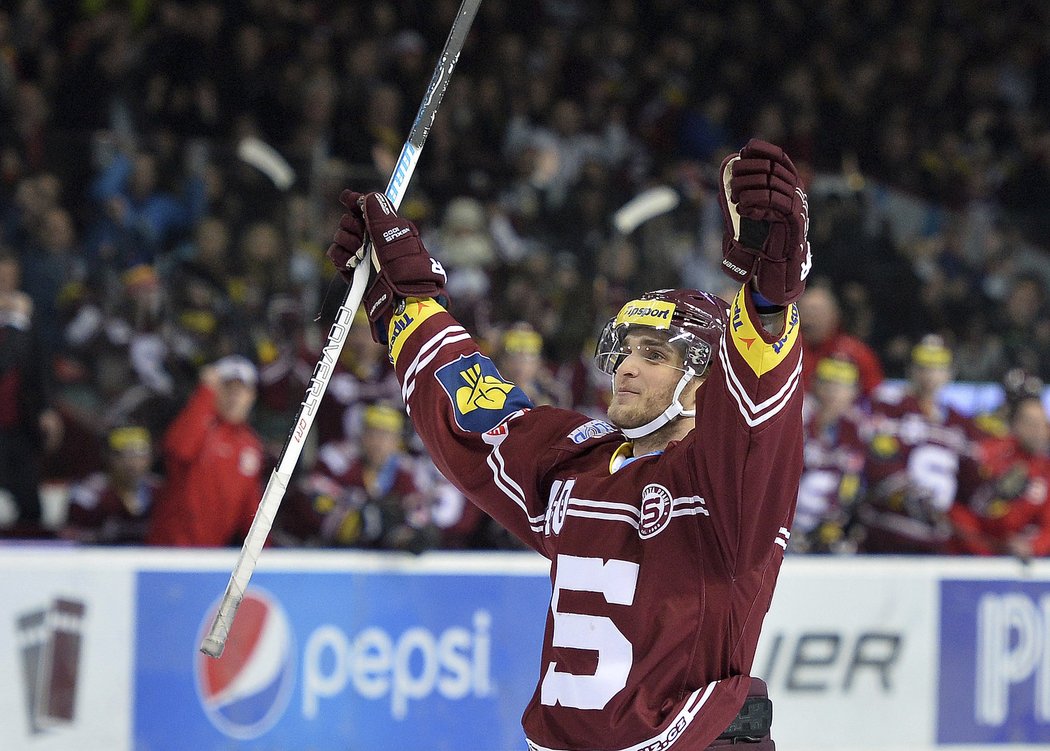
{"type": "Point", "coordinates": [922, 456]}
{"type": "Point", "coordinates": [665, 526]}
{"type": "Point", "coordinates": [112, 507]}
{"type": "Point", "coordinates": [834, 459]}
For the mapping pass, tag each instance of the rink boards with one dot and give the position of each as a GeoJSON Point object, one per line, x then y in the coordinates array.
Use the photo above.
{"type": "Point", "coordinates": [377, 652]}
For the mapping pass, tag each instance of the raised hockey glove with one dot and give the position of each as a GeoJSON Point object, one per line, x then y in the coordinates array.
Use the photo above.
{"type": "Point", "coordinates": [766, 218]}
{"type": "Point", "coordinates": [403, 267]}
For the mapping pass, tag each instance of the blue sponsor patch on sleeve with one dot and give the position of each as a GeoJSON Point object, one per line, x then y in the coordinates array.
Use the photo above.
{"type": "Point", "coordinates": [479, 395]}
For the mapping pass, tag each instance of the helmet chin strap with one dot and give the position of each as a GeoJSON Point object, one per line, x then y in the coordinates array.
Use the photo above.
{"type": "Point", "coordinates": [673, 411]}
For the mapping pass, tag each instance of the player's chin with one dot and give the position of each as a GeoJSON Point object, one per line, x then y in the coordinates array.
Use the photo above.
{"type": "Point", "coordinates": [624, 416]}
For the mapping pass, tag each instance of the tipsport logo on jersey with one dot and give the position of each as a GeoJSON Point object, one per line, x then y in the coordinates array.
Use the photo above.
{"type": "Point", "coordinates": [327, 660]}
{"type": "Point", "coordinates": [994, 663]}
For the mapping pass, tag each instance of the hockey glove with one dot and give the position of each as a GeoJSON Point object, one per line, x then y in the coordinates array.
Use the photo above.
{"type": "Point", "coordinates": [403, 266]}
{"type": "Point", "coordinates": [766, 218]}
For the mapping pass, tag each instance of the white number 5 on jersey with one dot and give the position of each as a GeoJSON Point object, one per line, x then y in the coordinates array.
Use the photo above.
{"type": "Point", "coordinates": [616, 581]}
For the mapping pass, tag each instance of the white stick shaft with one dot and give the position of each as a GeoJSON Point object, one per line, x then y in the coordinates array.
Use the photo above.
{"type": "Point", "coordinates": [215, 641]}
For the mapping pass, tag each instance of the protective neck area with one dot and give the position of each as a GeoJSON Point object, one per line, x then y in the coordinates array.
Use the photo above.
{"type": "Point", "coordinates": [673, 411]}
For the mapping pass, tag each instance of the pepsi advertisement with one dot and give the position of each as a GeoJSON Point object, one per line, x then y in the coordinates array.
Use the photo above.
{"type": "Point", "coordinates": [995, 663]}
{"type": "Point", "coordinates": [315, 660]}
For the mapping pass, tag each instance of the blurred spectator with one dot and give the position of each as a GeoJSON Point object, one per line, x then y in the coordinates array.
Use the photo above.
{"type": "Point", "coordinates": [213, 462]}
{"type": "Point", "coordinates": [922, 457]}
{"type": "Point", "coordinates": [468, 253]}
{"type": "Point", "coordinates": [53, 274]}
{"type": "Point", "coordinates": [1024, 325]}
{"type": "Point", "coordinates": [29, 427]}
{"type": "Point", "coordinates": [112, 507]}
{"type": "Point", "coordinates": [1017, 384]}
{"type": "Point", "coordinates": [138, 218]}
{"type": "Point", "coordinates": [833, 456]}
{"type": "Point", "coordinates": [519, 358]}
{"type": "Point", "coordinates": [363, 375]}
{"type": "Point", "coordinates": [1009, 511]}
{"type": "Point", "coordinates": [589, 388]}
{"type": "Point", "coordinates": [364, 495]}
{"type": "Point", "coordinates": [123, 346]}
{"type": "Point", "coordinates": [822, 335]}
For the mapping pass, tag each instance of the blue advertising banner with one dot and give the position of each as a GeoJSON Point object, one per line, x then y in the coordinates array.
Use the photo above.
{"type": "Point", "coordinates": [338, 661]}
{"type": "Point", "coordinates": [994, 663]}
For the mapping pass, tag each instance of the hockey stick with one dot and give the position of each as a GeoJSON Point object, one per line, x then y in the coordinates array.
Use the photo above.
{"type": "Point", "coordinates": [215, 641]}
{"type": "Point", "coordinates": [647, 205]}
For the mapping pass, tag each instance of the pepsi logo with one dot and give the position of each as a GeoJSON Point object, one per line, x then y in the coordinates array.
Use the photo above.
{"type": "Point", "coordinates": [246, 691]}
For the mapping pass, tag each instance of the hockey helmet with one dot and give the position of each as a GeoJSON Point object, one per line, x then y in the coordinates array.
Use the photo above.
{"type": "Point", "coordinates": [693, 319]}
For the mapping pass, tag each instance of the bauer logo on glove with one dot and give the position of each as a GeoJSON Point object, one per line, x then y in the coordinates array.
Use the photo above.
{"type": "Point", "coordinates": [766, 219]}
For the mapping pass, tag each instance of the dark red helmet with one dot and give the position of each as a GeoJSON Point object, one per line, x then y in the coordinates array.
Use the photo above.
{"type": "Point", "coordinates": [694, 319]}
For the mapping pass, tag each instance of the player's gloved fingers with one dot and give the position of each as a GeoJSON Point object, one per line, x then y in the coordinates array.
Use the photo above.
{"type": "Point", "coordinates": [340, 258]}
{"type": "Point", "coordinates": [775, 177]}
{"type": "Point", "coordinates": [764, 204]}
{"type": "Point", "coordinates": [755, 185]}
{"type": "Point", "coordinates": [351, 199]}
{"type": "Point", "coordinates": [784, 170]}
{"type": "Point", "coordinates": [352, 226]}
{"type": "Point", "coordinates": [756, 148]}
{"type": "Point", "coordinates": [377, 204]}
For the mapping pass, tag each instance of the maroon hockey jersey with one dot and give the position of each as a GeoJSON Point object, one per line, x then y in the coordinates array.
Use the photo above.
{"type": "Point", "coordinates": [662, 570]}
{"type": "Point", "coordinates": [831, 482]}
{"type": "Point", "coordinates": [916, 468]}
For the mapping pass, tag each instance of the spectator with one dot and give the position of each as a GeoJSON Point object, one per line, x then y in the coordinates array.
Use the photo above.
{"type": "Point", "coordinates": [1024, 325]}
{"type": "Point", "coordinates": [519, 358]}
{"type": "Point", "coordinates": [920, 454]}
{"type": "Point", "coordinates": [364, 495]}
{"type": "Point", "coordinates": [29, 427]}
{"type": "Point", "coordinates": [213, 462]}
{"type": "Point", "coordinates": [138, 218]}
{"type": "Point", "coordinates": [112, 507]}
{"type": "Point", "coordinates": [363, 375]}
{"type": "Point", "coordinates": [1009, 512]}
{"type": "Point", "coordinates": [833, 459]}
{"type": "Point", "coordinates": [822, 335]}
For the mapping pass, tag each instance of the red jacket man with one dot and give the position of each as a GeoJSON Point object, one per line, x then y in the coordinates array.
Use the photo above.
{"type": "Point", "coordinates": [822, 336]}
{"type": "Point", "coordinates": [213, 463]}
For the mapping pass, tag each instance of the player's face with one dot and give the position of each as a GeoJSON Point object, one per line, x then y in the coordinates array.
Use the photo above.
{"type": "Point", "coordinates": [930, 379]}
{"type": "Point", "coordinates": [645, 380]}
{"type": "Point", "coordinates": [378, 445]}
{"type": "Point", "coordinates": [835, 398]}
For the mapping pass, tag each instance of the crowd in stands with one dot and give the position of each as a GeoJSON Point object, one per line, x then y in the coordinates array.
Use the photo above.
{"type": "Point", "coordinates": [154, 270]}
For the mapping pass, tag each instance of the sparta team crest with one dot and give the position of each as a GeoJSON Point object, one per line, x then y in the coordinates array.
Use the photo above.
{"type": "Point", "coordinates": [657, 503]}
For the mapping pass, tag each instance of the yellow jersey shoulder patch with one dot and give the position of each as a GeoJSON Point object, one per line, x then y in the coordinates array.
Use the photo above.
{"type": "Point", "coordinates": [760, 355]}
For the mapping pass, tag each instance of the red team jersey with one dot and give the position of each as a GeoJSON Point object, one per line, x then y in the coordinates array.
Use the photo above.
{"type": "Point", "coordinates": [662, 570]}
{"type": "Point", "coordinates": [916, 469]}
{"type": "Point", "coordinates": [831, 480]}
